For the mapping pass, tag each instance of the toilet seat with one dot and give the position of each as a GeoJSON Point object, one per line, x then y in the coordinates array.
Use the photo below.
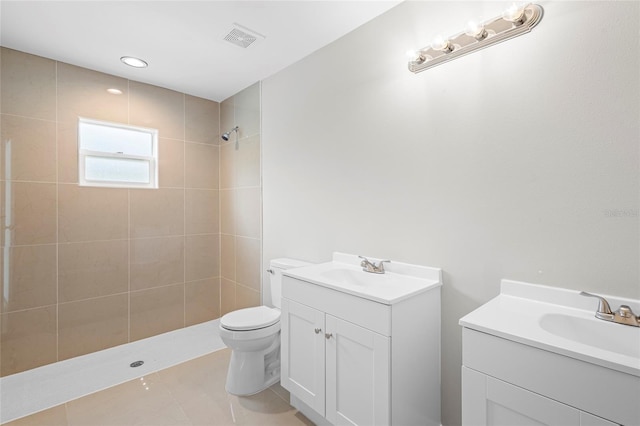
{"type": "Point", "coordinates": [250, 318]}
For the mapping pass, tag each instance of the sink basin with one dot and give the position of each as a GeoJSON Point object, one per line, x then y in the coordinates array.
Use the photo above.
{"type": "Point", "coordinates": [343, 273]}
{"type": "Point", "coordinates": [604, 335]}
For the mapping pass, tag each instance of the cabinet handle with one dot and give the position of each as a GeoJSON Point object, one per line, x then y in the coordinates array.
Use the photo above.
{"type": "Point", "coordinates": [328, 335]}
{"type": "Point", "coordinates": [318, 330]}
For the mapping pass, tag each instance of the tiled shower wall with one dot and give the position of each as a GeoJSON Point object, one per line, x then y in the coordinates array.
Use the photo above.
{"type": "Point", "coordinates": [86, 268]}
{"type": "Point", "coordinates": [240, 201]}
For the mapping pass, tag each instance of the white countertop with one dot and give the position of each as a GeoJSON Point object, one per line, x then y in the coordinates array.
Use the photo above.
{"type": "Point", "coordinates": [560, 321]}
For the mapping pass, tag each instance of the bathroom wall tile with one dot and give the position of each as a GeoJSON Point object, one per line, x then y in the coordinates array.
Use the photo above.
{"type": "Point", "coordinates": [56, 416]}
{"type": "Point", "coordinates": [248, 212]}
{"type": "Point", "coordinates": [201, 210]}
{"type": "Point", "coordinates": [68, 152]}
{"type": "Point", "coordinates": [28, 85]}
{"type": "Point", "coordinates": [228, 256]}
{"type": "Point", "coordinates": [227, 296]}
{"type": "Point", "coordinates": [31, 145]}
{"type": "Point", "coordinates": [202, 256]}
{"type": "Point", "coordinates": [158, 108]}
{"type": "Point", "coordinates": [227, 166]}
{"type": "Point", "coordinates": [91, 325]}
{"type": "Point", "coordinates": [92, 269]}
{"type": "Point", "coordinates": [30, 279]}
{"type": "Point", "coordinates": [227, 115]}
{"type": "Point", "coordinates": [247, 110]}
{"type": "Point", "coordinates": [28, 339]}
{"type": "Point", "coordinates": [227, 211]}
{"type": "Point", "coordinates": [83, 93]}
{"type": "Point", "coordinates": [247, 162]}
{"type": "Point", "coordinates": [202, 301]}
{"type": "Point", "coordinates": [201, 166]}
{"type": "Point", "coordinates": [157, 212]}
{"type": "Point", "coordinates": [33, 212]}
{"type": "Point", "coordinates": [171, 163]}
{"type": "Point", "coordinates": [156, 311]}
{"type": "Point", "coordinates": [89, 213]}
{"type": "Point", "coordinates": [246, 297]}
{"type": "Point", "coordinates": [202, 120]}
{"type": "Point", "coordinates": [248, 262]}
{"type": "Point", "coordinates": [156, 262]}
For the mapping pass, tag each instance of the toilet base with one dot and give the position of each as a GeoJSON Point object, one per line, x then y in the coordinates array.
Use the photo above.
{"type": "Point", "coordinates": [253, 372]}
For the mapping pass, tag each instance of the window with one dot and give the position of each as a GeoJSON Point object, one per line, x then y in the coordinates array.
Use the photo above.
{"type": "Point", "coordinates": [117, 155]}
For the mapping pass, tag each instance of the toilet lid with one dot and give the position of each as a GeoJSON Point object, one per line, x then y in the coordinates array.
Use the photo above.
{"type": "Point", "coordinates": [250, 318]}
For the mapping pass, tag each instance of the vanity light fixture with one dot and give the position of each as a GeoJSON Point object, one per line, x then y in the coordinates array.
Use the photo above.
{"type": "Point", "coordinates": [134, 62]}
{"type": "Point", "coordinates": [513, 22]}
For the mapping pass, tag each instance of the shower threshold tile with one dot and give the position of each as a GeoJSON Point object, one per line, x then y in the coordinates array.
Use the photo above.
{"type": "Point", "coordinates": [35, 390]}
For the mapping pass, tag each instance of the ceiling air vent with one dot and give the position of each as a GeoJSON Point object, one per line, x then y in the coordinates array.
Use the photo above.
{"type": "Point", "coordinates": [242, 36]}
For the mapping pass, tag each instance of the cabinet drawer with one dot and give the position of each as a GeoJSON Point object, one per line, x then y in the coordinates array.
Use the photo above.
{"type": "Point", "coordinates": [366, 313]}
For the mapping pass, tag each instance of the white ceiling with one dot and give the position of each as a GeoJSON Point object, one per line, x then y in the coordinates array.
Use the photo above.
{"type": "Point", "coordinates": [181, 40]}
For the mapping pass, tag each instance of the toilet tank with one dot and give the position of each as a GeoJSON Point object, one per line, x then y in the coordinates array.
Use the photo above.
{"type": "Point", "coordinates": [276, 266]}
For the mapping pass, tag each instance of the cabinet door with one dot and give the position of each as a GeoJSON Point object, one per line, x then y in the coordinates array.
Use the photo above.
{"type": "Point", "coordinates": [302, 356]}
{"type": "Point", "coordinates": [358, 382]}
{"type": "Point", "coordinates": [489, 401]}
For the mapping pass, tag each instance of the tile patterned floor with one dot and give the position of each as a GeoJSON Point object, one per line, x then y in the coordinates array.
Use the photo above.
{"type": "Point", "coordinates": [191, 393]}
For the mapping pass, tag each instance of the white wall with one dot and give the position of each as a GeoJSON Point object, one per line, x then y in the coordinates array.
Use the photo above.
{"type": "Point", "coordinates": [519, 161]}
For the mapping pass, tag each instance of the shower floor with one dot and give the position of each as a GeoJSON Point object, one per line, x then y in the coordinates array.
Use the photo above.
{"type": "Point", "coordinates": [35, 390]}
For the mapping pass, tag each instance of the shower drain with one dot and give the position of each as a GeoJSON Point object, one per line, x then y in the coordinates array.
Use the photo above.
{"type": "Point", "coordinates": [136, 364]}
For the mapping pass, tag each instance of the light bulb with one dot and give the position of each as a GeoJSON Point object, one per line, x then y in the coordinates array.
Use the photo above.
{"type": "Point", "coordinates": [441, 44]}
{"type": "Point", "coordinates": [476, 30]}
{"type": "Point", "coordinates": [415, 56]}
{"type": "Point", "coordinates": [514, 14]}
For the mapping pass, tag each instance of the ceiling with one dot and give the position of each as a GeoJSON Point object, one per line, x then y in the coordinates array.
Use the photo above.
{"type": "Point", "coordinates": [183, 41]}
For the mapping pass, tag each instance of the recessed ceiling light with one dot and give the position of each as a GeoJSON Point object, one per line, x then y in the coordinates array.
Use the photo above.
{"type": "Point", "coordinates": [114, 91]}
{"type": "Point", "coordinates": [134, 62]}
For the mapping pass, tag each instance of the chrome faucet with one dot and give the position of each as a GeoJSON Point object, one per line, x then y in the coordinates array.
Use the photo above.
{"type": "Point", "coordinates": [624, 314]}
{"type": "Point", "coordinates": [368, 266]}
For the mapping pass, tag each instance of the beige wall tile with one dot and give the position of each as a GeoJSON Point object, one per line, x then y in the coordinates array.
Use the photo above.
{"type": "Point", "coordinates": [91, 325]}
{"type": "Point", "coordinates": [31, 145]}
{"type": "Point", "coordinates": [227, 115]}
{"type": "Point", "coordinates": [92, 269]}
{"type": "Point", "coordinates": [156, 262]}
{"type": "Point", "coordinates": [227, 165]}
{"type": "Point", "coordinates": [56, 416]}
{"type": "Point", "coordinates": [31, 277]}
{"type": "Point", "coordinates": [201, 210]}
{"type": "Point", "coordinates": [68, 152]}
{"type": "Point", "coordinates": [248, 162]}
{"type": "Point", "coordinates": [246, 297]}
{"type": "Point", "coordinates": [227, 211]}
{"type": "Point", "coordinates": [201, 166]}
{"type": "Point", "coordinates": [28, 339]}
{"type": "Point", "coordinates": [171, 163]}
{"type": "Point", "coordinates": [32, 210]}
{"type": "Point", "coordinates": [248, 211]}
{"type": "Point", "coordinates": [202, 120]}
{"type": "Point", "coordinates": [156, 311]}
{"type": "Point", "coordinates": [88, 213]}
{"type": "Point", "coordinates": [248, 262]}
{"type": "Point", "coordinates": [202, 301]}
{"type": "Point", "coordinates": [28, 85]}
{"type": "Point", "coordinates": [247, 110]}
{"type": "Point", "coordinates": [228, 256]}
{"type": "Point", "coordinates": [83, 93]}
{"type": "Point", "coordinates": [227, 296]}
{"type": "Point", "coordinates": [157, 212]}
{"type": "Point", "coordinates": [202, 257]}
{"type": "Point", "coordinates": [158, 108]}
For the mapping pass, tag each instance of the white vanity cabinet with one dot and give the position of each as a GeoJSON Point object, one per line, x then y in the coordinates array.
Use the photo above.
{"type": "Point", "coordinates": [349, 360]}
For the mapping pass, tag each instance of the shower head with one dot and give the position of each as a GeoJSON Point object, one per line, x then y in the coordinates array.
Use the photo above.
{"type": "Point", "coordinates": [225, 136]}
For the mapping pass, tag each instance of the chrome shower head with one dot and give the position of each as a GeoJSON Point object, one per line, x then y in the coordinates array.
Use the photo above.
{"type": "Point", "coordinates": [225, 136]}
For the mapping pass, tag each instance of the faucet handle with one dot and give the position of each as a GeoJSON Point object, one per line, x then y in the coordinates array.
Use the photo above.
{"type": "Point", "coordinates": [603, 305]}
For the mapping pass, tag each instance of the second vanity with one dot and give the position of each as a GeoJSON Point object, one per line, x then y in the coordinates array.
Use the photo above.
{"type": "Point", "coordinates": [537, 355]}
{"type": "Point", "coordinates": [362, 348]}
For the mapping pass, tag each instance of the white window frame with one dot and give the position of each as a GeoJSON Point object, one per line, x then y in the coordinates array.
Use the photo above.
{"type": "Point", "coordinates": [152, 160]}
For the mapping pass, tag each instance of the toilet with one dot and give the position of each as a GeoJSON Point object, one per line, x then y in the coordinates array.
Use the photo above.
{"type": "Point", "coordinates": [253, 335]}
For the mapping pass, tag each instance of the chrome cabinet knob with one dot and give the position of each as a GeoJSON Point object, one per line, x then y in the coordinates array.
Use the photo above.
{"type": "Point", "coordinates": [328, 335]}
{"type": "Point", "coordinates": [318, 330]}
